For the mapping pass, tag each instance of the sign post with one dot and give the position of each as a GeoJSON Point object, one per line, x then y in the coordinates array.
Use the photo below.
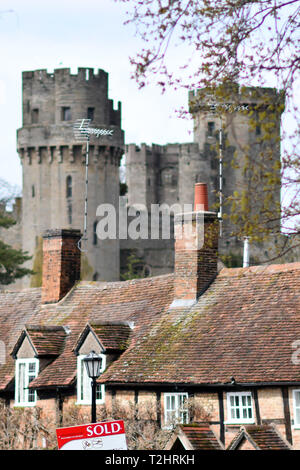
{"type": "Point", "coordinates": [109, 435]}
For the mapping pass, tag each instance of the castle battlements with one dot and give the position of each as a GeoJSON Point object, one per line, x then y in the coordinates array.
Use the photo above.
{"type": "Point", "coordinates": [235, 98]}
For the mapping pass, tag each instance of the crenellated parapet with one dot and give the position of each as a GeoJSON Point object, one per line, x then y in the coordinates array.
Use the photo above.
{"type": "Point", "coordinates": [61, 97]}
{"type": "Point", "coordinates": [102, 154]}
{"type": "Point", "coordinates": [233, 98]}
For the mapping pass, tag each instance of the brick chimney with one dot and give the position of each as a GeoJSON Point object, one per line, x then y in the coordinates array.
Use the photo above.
{"type": "Point", "coordinates": [196, 250]}
{"type": "Point", "coordinates": [61, 263]}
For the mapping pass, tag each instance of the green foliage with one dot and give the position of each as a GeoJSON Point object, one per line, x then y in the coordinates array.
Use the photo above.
{"type": "Point", "coordinates": [37, 277]}
{"type": "Point", "coordinates": [11, 259]}
{"type": "Point", "coordinates": [134, 268]}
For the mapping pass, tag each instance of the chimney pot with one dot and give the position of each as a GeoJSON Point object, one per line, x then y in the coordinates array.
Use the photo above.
{"type": "Point", "coordinates": [201, 198]}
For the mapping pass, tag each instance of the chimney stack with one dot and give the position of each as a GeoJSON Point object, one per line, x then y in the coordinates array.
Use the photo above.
{"type": "Point", "coordinates": [196, 250]}
{"type": "Point", "coordinates": [61, 263]}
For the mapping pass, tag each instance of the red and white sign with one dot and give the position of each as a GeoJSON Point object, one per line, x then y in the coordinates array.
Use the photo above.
{"type": "Point", "coordinates": [109, 435]}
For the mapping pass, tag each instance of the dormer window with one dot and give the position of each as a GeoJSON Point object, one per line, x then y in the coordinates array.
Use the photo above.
{"type": "Point", "coordinates": [84, 388]}
{"type": "Point", "coordinates": [26, 371]}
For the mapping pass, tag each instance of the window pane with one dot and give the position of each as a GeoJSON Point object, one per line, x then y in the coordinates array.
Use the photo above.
{"type": "Point", "coordinates": [21, 390]}
{"type": "Point", "coordinates": [99, 392]}
{"type": "Point", "coordinates": [31, 367]}
{"type": "Point", "coordinates": [297, 398]}
{"type": "Point", "coordinates": [297, 417]}
{"type": "Point", "coordinates": [31, 396]}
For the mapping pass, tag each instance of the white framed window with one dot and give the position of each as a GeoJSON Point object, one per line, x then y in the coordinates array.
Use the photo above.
{"type": "Point", "coordinates": [296, 405]}
{"type": "Point", "coordinates": [26, 371]}
{"type": "Point", "coordinates": [84, 388]}
{"type": "Point", "coordinates": [175, 409]}
{"type": "Point", "coordinates": [240, 408]}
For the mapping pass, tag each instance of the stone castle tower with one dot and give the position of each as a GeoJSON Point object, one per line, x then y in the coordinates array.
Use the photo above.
{"type": "Point", "coordinates": [54, 162]}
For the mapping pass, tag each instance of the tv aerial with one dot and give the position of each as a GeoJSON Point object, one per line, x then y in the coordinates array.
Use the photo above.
{"type": "Point", "coordinates": [82, 133]}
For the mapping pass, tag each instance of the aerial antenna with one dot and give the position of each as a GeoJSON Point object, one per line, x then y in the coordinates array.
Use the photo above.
{"type": "Point", "coordinates": [220, 214]}
{"type": "Point", "coordinates": [82, 133]}
{"type": "Point", "coordinates": [213, 109]}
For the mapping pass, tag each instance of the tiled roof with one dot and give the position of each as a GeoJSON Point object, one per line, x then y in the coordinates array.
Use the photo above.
{"type": "Point", "coordinates": [244, 326]}
{"type": "Point", "coordinates": [16, 309]}
{"type": "Point", "coordinates": [140, 301]}
{"type": "Point", "coordinates": [200, 436]}
{"type": "Point", "coordinates": [113, 336]}
{"type": "Point", "coordinates": [46, 340]}
{"type": "Point", "coordinates": [262, 437]}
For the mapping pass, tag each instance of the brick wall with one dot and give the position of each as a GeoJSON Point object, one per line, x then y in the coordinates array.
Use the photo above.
{"type": "Point", "coordinates": [61, 263]}
{"type": "Point", "coordinates": [195, 262]}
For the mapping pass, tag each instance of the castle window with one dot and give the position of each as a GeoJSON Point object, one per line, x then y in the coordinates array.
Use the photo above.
{"type": "Point", "coordinates": [66, 113]}
{"type": "Point", "coordinates": [26, 371]}
{"type": "Point", "coordinates": [32, 191]}
{"type": "Point", "coordinates": [84, 383]}
{"type": "Point", "coordinates": [95, 276]}
{"type": "Point", "coordinates": [35, 116]}
{"type": "Point", "coordinates": [175, 409]}
{"type": "Point", "coordinates": [210, 129]}
{"type": "Point", "coordinates": [95, 238]}
{"type": "Point", "coordinates": [239, 408]}
{"type": "Point", "coordinates": [90, 113]}
{"type": "Point", "coordinates": [69, 186]}
{"type": "Point", "coordinates": [70, 213]}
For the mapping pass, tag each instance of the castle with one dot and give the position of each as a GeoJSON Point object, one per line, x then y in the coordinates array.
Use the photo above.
{"type": "Point", "coordinates": [54, 167]}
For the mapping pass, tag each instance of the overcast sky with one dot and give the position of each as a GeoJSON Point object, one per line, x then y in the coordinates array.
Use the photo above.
{"type": "Point", "coordinates": [73, 33]}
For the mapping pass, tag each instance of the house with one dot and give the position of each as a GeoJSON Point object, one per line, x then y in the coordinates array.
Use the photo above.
{"type": "Point", "coordinates": [226, 340]}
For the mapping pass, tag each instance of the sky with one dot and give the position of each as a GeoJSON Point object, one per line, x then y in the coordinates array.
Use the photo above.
{"type": "Point", "coordinates": [38, 34]}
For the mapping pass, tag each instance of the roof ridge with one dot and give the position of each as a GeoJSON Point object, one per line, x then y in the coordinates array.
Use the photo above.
{"type": "Point", "coordinates": [259, 269]}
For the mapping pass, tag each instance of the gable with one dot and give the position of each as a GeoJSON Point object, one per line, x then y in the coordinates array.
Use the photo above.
{"type": "Point", "coordinates": [26, 349]}
{"type": "Point", "coordinates": [90, 343]}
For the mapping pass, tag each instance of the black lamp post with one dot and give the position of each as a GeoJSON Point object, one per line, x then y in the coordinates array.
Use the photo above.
{"type": "Point", "coordinates": [93, 363]}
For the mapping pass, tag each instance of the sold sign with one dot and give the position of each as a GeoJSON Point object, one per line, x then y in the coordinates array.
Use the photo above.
{"type": "Point", "coordinates": [108, 435]}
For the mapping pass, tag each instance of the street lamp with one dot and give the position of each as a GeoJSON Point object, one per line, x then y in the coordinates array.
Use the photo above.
{"type": "Point", "coordinates": [93, 364]}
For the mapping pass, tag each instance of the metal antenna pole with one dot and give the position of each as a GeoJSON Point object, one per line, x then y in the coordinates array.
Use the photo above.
{"type": "Point", "coordinates": [221, 175]}
{"type": "Point", "coordinates": [82, 133]}
{"type": "Point", "coordinates": [85, 237]}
